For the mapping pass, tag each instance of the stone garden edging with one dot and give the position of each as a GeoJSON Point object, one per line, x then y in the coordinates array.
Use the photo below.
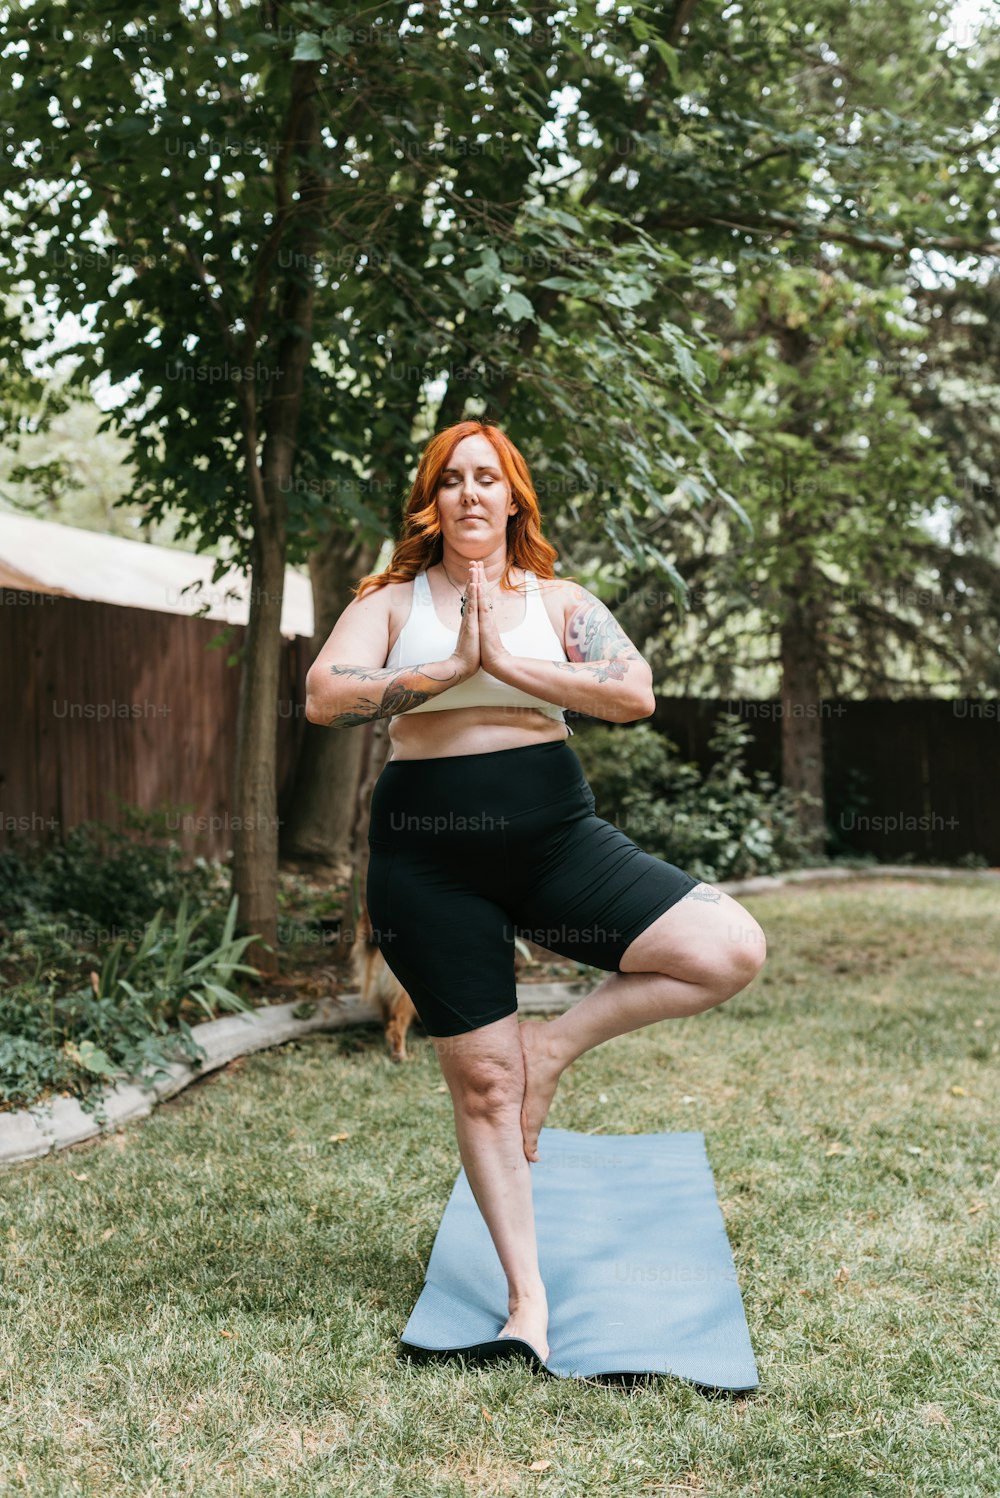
{"type": "Point", "coordinates": [38, 1130]}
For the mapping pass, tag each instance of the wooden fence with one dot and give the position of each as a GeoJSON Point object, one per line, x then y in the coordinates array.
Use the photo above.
{"type": "Point", "coordinates": [915, 777]}
{"type": "Point", "coordinates": [101, 705]}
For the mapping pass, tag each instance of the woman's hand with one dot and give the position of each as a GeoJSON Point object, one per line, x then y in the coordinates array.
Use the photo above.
{"type": "Point", "coordinates": [491, 648]}
{"type": "Point", "coordinates": [466, 654]}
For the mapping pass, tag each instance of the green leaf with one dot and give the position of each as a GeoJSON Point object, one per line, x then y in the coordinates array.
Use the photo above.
{"type": "Point", "coordinates": [308, 48]}
{"type": "Point", "coordinates": [727, 439]}
{"type": "Point", "coordinates": [515, 306]}
{"type": "Point", "coordinates": [567, 220]}
{"type": "Point", "coordinates": [669, 56]}
{"type": "Point", "coordinates": [90, 1057]}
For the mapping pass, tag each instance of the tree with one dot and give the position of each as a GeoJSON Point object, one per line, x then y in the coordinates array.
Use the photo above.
{"type": "Point", "coordinates": [838, 474]}
{"type": "Point", "coordinates": [188, 184]}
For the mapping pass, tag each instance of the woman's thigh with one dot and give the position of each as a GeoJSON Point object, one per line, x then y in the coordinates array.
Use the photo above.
{"type": "Point", "coordinates": [600, 898]}
{"type": "Point", "coordinates": [706, 936]}
{"type": "Point", "coordinates": [450, 944]}
{"type": "Point", "coordinates": [589, 890]}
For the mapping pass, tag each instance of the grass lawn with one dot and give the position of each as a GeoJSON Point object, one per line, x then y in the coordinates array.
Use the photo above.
{"type": "Point", "coordinates": [209, 1301]}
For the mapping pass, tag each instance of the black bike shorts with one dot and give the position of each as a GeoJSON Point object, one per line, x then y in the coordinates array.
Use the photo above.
{"type": "Point", "coordinates": [469, 850]}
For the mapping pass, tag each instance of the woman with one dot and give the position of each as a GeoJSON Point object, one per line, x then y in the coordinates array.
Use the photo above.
{"type": "Point", "coordinates": [483, 824]}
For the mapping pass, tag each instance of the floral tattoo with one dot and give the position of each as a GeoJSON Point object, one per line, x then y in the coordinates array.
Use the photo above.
{"type": "Point", "coordinates": [593, 634]}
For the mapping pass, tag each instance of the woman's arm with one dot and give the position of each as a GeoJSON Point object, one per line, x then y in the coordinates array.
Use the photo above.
{"type": "Point", "coordinates": [375, 692]}
{"type": "Point", "coordinates": [604, 677]}
{"type": "Point", "coordinates": [348, 683]}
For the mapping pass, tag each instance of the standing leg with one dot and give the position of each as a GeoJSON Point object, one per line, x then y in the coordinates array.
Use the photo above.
{"type": "Point", "coordinates": [484, 1070]}
{"type": "Point", "coordinates": [695, 955]}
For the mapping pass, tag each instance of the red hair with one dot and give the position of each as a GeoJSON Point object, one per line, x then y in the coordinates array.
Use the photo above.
{"type": "Point", "coordinates": [420, 545]}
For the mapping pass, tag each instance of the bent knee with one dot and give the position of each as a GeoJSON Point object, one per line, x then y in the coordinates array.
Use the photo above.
{"type": "Point", "coordinates": [743, 955]}
{"type": "Point", "coordinates": [720, 963]}
{"type": "Point", "coordinates": [730, 963]}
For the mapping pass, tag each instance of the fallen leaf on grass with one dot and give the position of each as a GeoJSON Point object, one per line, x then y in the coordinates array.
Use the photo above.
{"type": "Point", "coordinates": [959, 1092]}
{"type": "Point", "coordinates": [837, 1148]}
{"type": "Point", "coordinates": [228, 1334]}
{"type": "Point", "coordinates": [79, 1175]}
{"type": "Point", "coordinates": [486, 1414]}
{"type": "Point", "coordinates": [337, 1138]}
{"type": "Point", "coordinates": [539, 1466]}
{"type": "Point", "coordinates": [842, 1276]}
{"type": "Point", "coordinates": [933, 1414]}
{"type": "Point", "coordinates": [977, 1207]}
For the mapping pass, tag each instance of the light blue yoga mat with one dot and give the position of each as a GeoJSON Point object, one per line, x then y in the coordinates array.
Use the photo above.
{"type": "Point", "coordinates": [634, 1255]}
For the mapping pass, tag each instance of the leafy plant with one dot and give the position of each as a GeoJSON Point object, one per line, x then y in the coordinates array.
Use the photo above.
{"type": "Point", "coordinates": [128, 1020]}
{"type": "Point", "coordinates": [112, 878]}
{"type": "Point", "coordinates": [175, 972]}
{"type": "Point", "coordinates": [726, 824]}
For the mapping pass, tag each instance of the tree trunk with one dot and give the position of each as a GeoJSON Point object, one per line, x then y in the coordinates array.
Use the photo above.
{"type": "Point", "coordinates": [323, 808]}
{"type": "Point", "coordinates": [801, 711]}
{"type": "Point", "coordinates": [801, 708]}
{"type": "Point", "coordinates": [255, 831]}
{"type": "Point", "coordinates": [375, 752]}
{"type": "Point", "coordinates": [269, 478]}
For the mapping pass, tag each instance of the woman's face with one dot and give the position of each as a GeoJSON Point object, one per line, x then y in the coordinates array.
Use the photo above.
{"type": "Point", "coordinates": [474, 499]}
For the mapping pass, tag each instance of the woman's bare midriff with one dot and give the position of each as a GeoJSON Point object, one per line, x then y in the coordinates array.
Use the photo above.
{"type": "Point", "coordinates": [470, 730]}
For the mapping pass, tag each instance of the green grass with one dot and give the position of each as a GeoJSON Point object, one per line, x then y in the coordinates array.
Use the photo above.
{"type": "Point", "coordinates": [209, 1301]}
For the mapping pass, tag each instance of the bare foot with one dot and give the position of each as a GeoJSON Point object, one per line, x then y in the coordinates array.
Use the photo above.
{"type": "Point", "coordinates": [530, 1321]}
{"type": "Point", "coordinates": [543, 1067]}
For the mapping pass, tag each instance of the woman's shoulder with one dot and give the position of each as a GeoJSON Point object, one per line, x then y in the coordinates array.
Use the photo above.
{"type": "Point", "coordinates": [389, 600]}
{"type": "Point", "coordinates": [565, 592]}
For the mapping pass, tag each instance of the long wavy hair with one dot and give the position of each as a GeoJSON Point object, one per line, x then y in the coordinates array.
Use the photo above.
{"type": "Point", "coordinates": [420, 546]}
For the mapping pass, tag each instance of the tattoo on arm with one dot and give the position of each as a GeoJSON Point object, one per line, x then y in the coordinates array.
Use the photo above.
{"type": "Point", "coordinates": [398, 696]}
{"type": "Point", "coordinates": [593, 634]}
{"type": "Point", "coordinates": [603, 671]}
{"type": "Point", "coordinates": [704, 892]}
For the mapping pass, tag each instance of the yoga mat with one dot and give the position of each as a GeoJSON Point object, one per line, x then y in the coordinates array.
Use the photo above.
{"type": "Point", "coordinates": [634, 1255]}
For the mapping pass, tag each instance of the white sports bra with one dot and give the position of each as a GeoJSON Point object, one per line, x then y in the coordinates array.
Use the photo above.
{"type": "Point", "coordinates": [424, 638]}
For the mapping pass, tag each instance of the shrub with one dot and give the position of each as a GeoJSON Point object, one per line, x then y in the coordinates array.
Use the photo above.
{"type": "Point", "coordinates": [113, 877]}
{"type": "Point", "coordinates": [727, 824]}
{"type": "Point", "coordinates": [63, 904]}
